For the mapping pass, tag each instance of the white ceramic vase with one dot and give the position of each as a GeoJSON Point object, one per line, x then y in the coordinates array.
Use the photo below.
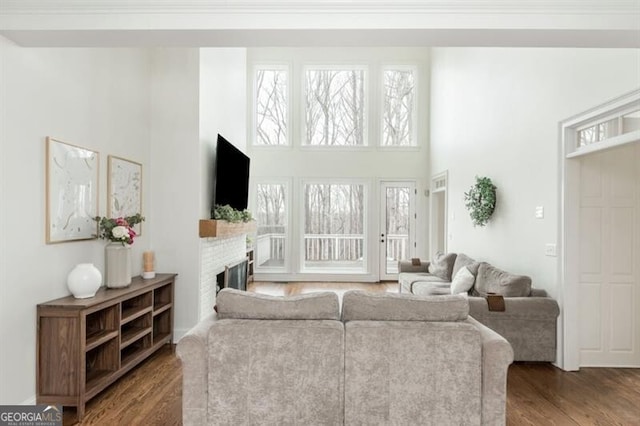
{"type": "Point", "coordinates": [117, 265]}
{"type": "Point", "coordinates": [84, 280]}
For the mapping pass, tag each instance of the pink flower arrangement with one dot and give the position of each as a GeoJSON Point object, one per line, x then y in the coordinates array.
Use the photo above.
{"type": "Point", "coordinates": [119, 229]}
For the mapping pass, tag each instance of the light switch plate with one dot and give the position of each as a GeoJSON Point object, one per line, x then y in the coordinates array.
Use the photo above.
{"type": "Point", "coordinates": [550, 250]}
{"type": "Point", "coordinates": [539, 212]}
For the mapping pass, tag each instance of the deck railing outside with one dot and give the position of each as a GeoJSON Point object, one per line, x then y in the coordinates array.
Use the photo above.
{"type": "Point", "coordinates": [328, 247]}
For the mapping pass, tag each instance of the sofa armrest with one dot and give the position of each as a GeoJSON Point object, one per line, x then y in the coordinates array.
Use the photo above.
{"type": "Point", "coordinates": [408, 266]}
{"type": "Point", "coordinates": [524, 308]}
{"type": "Point", "coordinates": [497, 355]}
{"type": "Point", "coordinates": [192, 351]}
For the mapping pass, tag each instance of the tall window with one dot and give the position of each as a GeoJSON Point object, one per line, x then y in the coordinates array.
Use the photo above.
{"type": "Point", "coordinates": [398, 116]}
{"type": "Point", "coordinates": [334, 227]}
{"type": "Point", "coordinates": [334, 107]}
{"type": "Point", "coordinates": [271, 215]}
{"type": "Point", "coordinates": [271, 123]}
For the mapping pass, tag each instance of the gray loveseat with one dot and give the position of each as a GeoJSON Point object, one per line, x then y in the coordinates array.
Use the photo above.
{"type": "Point", "coordinates": [387, 359]}
{"type": "Point", "coordinates": [529, 321]}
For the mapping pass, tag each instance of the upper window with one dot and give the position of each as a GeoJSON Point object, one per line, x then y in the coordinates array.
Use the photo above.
{"type": "Point", "coordinates": [271, 123]}
{"type": "Point", "coordinates": [398, 109]}
{"type": "Point", "coordinates": [334, 107]}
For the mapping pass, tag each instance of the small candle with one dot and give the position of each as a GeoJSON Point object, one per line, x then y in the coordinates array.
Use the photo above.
{"type": "Point", "coordinates": [147, 260]}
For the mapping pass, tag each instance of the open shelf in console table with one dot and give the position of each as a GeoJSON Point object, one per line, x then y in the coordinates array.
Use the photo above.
{"type": "Point", "coordinates": [84, 345]}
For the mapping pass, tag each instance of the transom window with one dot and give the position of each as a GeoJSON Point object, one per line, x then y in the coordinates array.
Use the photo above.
{"type": "Point", "coordinates": [334, 107]}
{"type": "Point", "coordinates": [398, 120]}
{"type": "Point", "coordinates": [332, 110]}
{"type": "Point", "coordinates": [614, 123]}
{"type": "Point", "coordinates": [271, 106]}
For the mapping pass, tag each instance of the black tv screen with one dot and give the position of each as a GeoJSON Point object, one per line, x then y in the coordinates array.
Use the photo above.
{"type": "Point", "coordinates": [231, 185]}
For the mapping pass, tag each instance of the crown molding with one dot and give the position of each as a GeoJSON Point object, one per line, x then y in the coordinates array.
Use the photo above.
{"type": "Point", "coordinates": [580, 23]}
{"type": "Point", "coordinates": [111, 7]}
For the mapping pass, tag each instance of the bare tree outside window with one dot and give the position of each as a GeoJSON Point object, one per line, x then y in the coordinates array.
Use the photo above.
{"type": "Point", "coordinates": [271, 216]}
{"type": "Point", "coordinates": [398, 108]}
{"type": "Point", "coordinates": [334, 226]}
{"type": "Point", "coordinates": [271, 107]}
{"type": "Point", "coordinates": [398, 216]}
{"type": "Point", "coordinates": [334, 107]}
{"type": "Point", "coordinates": [598, 132]}
{"type": "Point", "coordinates": [398, 211]}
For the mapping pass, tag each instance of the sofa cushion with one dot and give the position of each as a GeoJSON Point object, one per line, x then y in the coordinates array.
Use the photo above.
{"type": "Point", "coordinates": [406, 280]}
{"type": "Point", "coordinates": [463, 281]}
{"type": "Point", "coordinates": [493, 280]}
{"type": "Point", "coordinates": [464, 260]}
{"type": "Point", "coordinates": [367, 306]}
{"type": "Point", "coordinates": [236, 304]}
{"type": "Point", "coordinates": [442, 265]}
{"type": "Point", "coordinates": [425, 288]}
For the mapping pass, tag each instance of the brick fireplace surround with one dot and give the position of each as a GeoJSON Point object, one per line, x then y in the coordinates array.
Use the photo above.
{"type": "Point", "coordinates": [215, 254]}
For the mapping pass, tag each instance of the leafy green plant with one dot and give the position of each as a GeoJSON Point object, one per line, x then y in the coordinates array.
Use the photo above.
{"type": "Point", "coordinates": [230, 214]}
{"type": "Point", "coordinates": [481, 201]}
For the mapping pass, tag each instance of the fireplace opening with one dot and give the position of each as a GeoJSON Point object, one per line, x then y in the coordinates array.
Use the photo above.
{"type": "Point", "coordinates": [234, 276]}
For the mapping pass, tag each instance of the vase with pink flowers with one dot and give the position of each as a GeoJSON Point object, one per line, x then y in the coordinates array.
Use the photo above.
{"type": "Point", "coordinates": [120, 234]}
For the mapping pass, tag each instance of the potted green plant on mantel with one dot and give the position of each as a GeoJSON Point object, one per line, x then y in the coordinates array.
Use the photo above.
{"type": "Point", "coordinates": [227, 221]}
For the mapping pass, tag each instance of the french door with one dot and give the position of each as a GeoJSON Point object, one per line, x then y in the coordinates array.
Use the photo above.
{"type": "Point", "coordinates": [397, 225]}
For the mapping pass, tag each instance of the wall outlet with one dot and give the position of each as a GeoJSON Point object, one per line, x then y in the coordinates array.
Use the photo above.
{"type": "Point", "coordinates": [550, 250]}
{"type": "Point", "coordinates": [539, 212]}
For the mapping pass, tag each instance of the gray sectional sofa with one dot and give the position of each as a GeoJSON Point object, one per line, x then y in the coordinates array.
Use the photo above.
{"type": "Point", "coordinates": [529, 321]}
{"type": "Point", "coordinates": [385, 359]}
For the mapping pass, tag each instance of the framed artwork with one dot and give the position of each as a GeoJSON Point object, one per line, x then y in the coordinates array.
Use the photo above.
{"type": "Point", "coordinates": [71, 192]}
{"type": "Point", "coordinates": [124, 183]}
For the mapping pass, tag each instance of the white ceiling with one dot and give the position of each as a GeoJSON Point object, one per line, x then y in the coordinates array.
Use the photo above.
{"type": "Point", "coordinates": [544, 23]}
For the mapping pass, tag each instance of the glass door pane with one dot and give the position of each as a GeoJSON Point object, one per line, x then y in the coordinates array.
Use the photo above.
{"type": "Point", "coordinates": [396, 234]}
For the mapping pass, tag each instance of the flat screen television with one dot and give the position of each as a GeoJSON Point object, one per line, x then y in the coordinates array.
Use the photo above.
{"type": "Point", "coordinates": [231, 177]}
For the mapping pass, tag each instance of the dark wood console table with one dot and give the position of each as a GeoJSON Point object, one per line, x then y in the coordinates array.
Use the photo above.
{"type": "Point", "coordinates": [84, 345]}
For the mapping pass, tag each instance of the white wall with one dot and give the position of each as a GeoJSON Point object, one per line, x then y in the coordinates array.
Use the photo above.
{"type": "Point", "coordinates": [95, 98]}
{"type": "Point", "coordinates": [176, 175]}
{"type": "Point", "coordinates": [495, 113]}
{"type": "Point", "coordinates": [223, 108]}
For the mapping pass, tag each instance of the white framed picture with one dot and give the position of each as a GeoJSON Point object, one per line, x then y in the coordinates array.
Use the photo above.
{"type": "Point", "coordinates": [71, 192]}
{"type": "Point", "coordinates": [124, 183]}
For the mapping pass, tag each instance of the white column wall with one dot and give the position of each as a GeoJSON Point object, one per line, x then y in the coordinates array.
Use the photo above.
{"type": "Point", "coordinates": [176, 176]}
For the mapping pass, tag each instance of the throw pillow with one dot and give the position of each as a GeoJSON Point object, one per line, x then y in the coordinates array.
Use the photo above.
{"type": "Point", "coordinates": [464, 260]}
{"type": "Point", "coordinates": [493, 280]}
{"type": "Point", "coordinates": [463, 281]}
{"type": "Point", "coordinates": [442, 265]}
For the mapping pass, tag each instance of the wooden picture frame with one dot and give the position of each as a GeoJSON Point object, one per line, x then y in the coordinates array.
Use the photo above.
{"type": "Point", "coordinates": [72, 179]}
{"type": "Point", "coordinates": [124, 193]}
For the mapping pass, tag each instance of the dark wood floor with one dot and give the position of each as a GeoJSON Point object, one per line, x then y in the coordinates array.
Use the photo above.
{"type": "Point", "coordinates": [537, 393]}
